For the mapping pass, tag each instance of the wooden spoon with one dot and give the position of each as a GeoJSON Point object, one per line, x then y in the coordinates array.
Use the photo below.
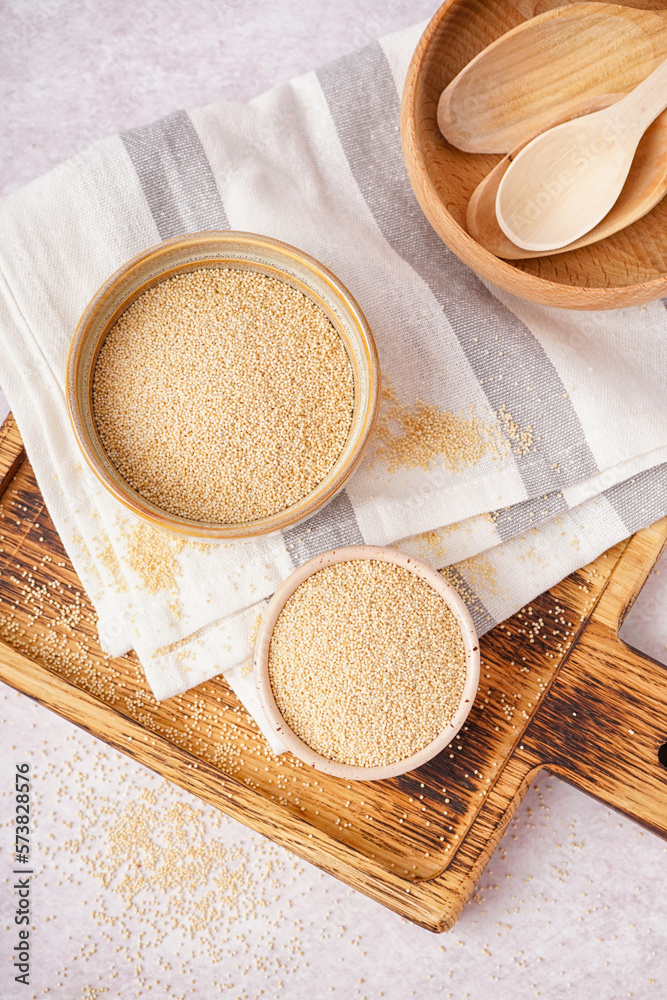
{"type": "Point", "coordinates": [539, 6]}
{"type": "Point", "coordinates": [566, 180]}
{"type": "Point", "coordinates": [507, 93]}
{"type": "Point", "coordinates": [645, 186]}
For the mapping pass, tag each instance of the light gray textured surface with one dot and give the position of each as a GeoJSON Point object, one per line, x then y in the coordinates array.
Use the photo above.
{"type": "Point", "coordinates": [73, 71]}
{"type": "Point", "coordinates": [571, 906]}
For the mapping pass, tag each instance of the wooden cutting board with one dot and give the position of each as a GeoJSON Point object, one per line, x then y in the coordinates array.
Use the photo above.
{"type": "Point", "coordinates": [558, 690]}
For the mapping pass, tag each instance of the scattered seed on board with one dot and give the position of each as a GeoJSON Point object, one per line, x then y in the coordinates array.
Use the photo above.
{"type": "Point", "coordinates": [223, 395]}
{"type": "Point", "coordinates": [366, 662]}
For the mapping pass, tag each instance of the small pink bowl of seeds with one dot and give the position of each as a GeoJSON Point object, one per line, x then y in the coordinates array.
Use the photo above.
{"type": "Point", "coordinates": [223, 385]}
{"type": "Point", "coordinates": [366, 663]}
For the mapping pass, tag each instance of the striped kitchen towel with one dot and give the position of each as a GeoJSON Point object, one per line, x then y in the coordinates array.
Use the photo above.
{"type": "Point", "coordinates": [556, 425]}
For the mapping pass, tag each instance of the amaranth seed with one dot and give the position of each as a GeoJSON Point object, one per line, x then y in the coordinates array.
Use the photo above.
{"type": "Point", "coordinates": [223, 395]}
{"type": "Point", "coordinates": [366, 662]}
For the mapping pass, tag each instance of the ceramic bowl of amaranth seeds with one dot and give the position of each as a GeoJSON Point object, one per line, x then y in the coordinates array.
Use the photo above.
{"type": "Point", "coordinates": [366, 663]}
{"type": "Point", "coordinates": [223, 385]}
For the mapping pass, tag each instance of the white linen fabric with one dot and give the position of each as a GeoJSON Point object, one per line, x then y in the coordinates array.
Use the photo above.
{"type": "Point", "coordinates": [576, 400]}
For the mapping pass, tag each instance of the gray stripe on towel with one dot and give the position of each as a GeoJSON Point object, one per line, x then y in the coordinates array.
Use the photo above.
{"type": "Point", "coordinates": [183, 197]}
{"type": "Point", "coordinates": [176, 176]}
{"type": "Point", "coordinates": [365, 108]}
{"type": "Point", "coordinates": [521, 517]}
{"type": "Point", "coordinates": [481, 618]}
{"type": "Point", "coordinates": [641, 500]}
{"type": "Point", "coordinates": [330, 528]}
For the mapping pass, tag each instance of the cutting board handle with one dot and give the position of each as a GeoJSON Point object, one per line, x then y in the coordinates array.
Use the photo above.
{"type": "Point", "coordinates": [603, 722]}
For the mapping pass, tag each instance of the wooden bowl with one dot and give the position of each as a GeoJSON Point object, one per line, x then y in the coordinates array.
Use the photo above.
{"type": "Point", "coordinates": [626, 269]}
{"type": "Point", "coordinates": [216, 249]}
{"type": "Point", "coordinates": [288, 737]}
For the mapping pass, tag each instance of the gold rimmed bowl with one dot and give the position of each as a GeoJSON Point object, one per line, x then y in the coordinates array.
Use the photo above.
{"type": "Point", "coordinates": [243, 251]}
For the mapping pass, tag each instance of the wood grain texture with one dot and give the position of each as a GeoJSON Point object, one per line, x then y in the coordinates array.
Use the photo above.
{"type": "Point", "coordinates": [626, 268]}
{"type": "Point", "coordinates": [542, 70]}
{"type": "Point", "coordinates": [605, 720]}
{"type": "Point", "coordinates": [525, 7]}
{"type": "Point", "coordinates": [416, 843]}
{"type": "Point", "coordinates": [540, 6]}
{"type": "Point", "coordinates": [11, 452]}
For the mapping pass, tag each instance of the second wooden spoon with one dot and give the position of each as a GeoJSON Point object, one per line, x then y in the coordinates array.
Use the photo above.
{"type": "Point", "coordinates": [645, 186]}
{"type": "Point", "coordinates": [564, 182]}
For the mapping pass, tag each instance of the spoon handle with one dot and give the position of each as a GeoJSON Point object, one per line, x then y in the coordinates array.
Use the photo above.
{"type": "Point", "coordinates": [643, 105]}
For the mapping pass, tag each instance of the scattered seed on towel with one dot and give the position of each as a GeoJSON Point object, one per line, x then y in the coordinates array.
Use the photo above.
{"type": "Point", "coordinates": [522, 440]}
{"type": "Point", "coordinates": [152, 554]}
{"type": "Point", "coordinates": [419, 436]}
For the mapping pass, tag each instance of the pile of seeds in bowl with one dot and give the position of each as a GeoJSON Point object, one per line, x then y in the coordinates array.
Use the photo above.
{"type": "Point", "coordinates": [367, 663]}
{"type": "Point", "coordinates": [223, 395]}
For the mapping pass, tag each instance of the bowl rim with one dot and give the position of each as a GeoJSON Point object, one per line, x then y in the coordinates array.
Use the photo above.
{"type": "Point", "coordinates": [494, 269]}
{"type": "Point", "coordinates": [272, 714]}
{"type": "Point", "coordinates": [208, 531]}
